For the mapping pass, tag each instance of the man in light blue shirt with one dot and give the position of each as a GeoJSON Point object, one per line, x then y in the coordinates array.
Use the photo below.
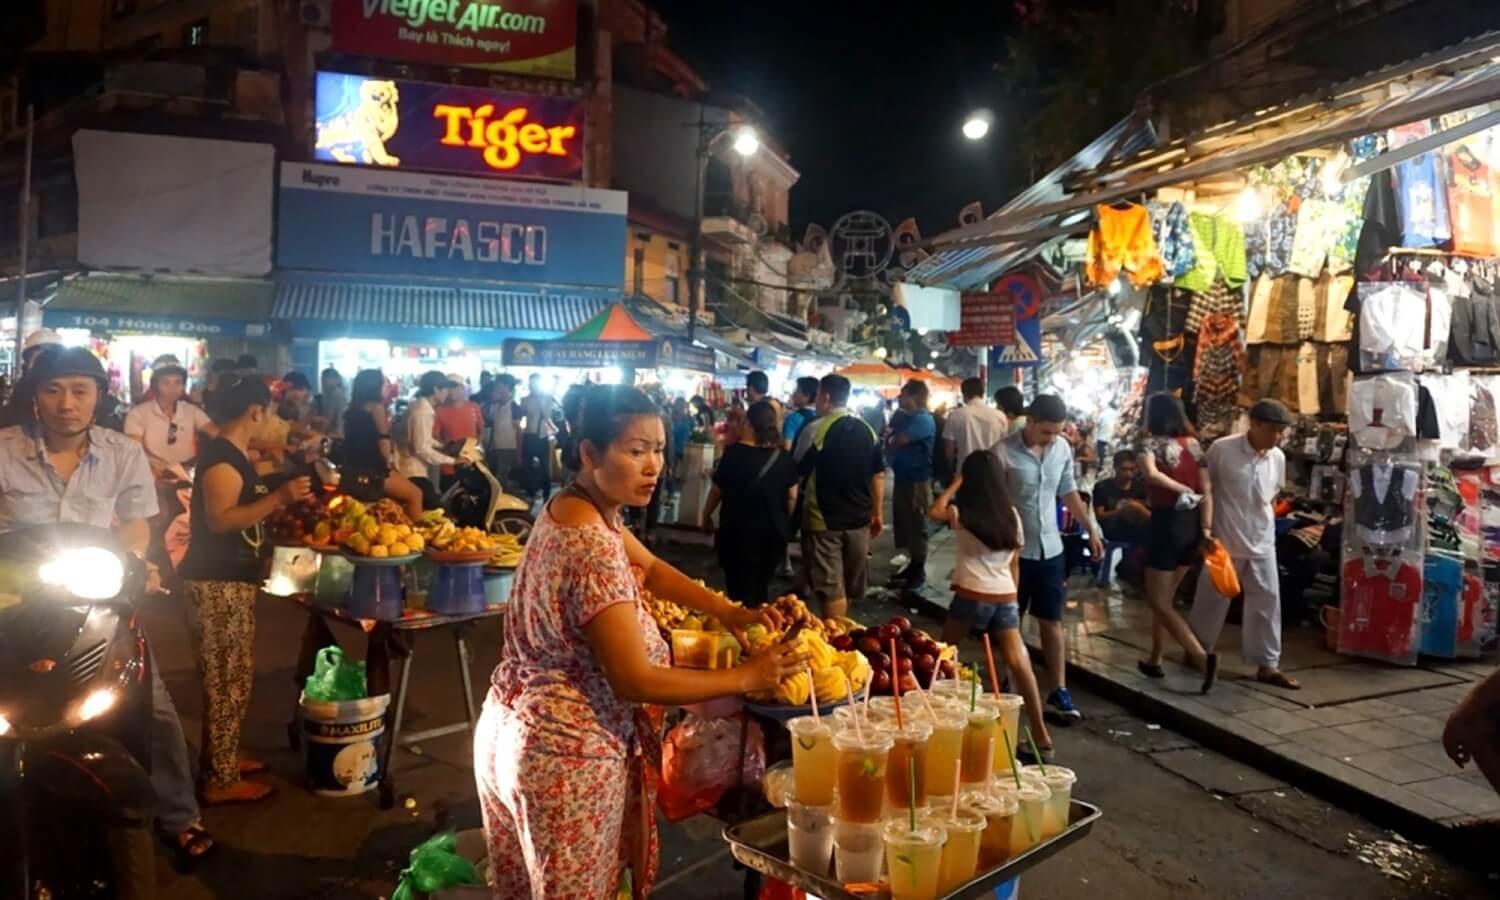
{"type": "Point", "coordinates": [1041, 473]}
{"type": "Point", "coordinates": [60, 467]}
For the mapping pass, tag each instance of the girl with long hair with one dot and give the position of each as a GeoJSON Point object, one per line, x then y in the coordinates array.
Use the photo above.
{"type": "Point", "coordinates": [988, 534]}
{"type": "Point", "coordinates": [1181, 503]}
{"type": "Point", "coordinates": [368, 449]}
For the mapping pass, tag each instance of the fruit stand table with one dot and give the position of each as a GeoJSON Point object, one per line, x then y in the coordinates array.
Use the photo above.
{"type": "Point", "coordinates": [383, 641]}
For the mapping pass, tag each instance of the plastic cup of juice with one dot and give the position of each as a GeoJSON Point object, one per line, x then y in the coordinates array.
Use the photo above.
{"type": "Point", "coordinates": [912, 858]}
{"type": "Point", "coordinates": [858, 852]}
{"type": "Point", "coordinates": [812, 760]}
{"type": "Point", "coordinates": [1010, 706]}
{"type": "Point", "coordinates": [862, 762]}
{"type": "Point", "coordinates": [999, 811]}
{"type": "Point", "coordinates": [1060, 782]}
{"type": "Point", "coordinates": [809, 836]}
{"type": "Point", "coordinates": [960, 859]}
{"type": "Point", "coordinates": [944, 748]}
{"type": "Point", "coordinates": [910, 746]}
{"type": "Point", "coordinates": [1026, 830]}
{"type": "Point", "coordinates": [980, 734]}
{"type": "Point", "coordinates": [844, 715]}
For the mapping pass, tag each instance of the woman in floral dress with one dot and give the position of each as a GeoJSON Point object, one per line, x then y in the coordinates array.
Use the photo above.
{"type": "Point", "coordinates": [565, 752]}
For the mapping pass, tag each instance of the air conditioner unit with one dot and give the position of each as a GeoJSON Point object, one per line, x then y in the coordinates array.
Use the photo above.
{"type": "Point", "coordinates": [315, 13]}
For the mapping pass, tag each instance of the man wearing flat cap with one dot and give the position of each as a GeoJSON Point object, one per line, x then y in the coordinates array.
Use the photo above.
{"type": "Point", "coordinates": [1246, 471]}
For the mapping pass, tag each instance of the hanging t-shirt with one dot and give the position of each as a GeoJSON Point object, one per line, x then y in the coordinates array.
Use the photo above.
{"type": "Point", "coordinates": [1382, 411]}
{"type": "Point", "coordinates": [1471, 197]}
{"type": "Point", "coordinates": [1421, 194]}
{"type": "Point", "coordinates": [1379, 609]}
{"type": "Point", "coordinates": [1442, 580]}
{"type": "Point", "coordinates": [1392, 325]}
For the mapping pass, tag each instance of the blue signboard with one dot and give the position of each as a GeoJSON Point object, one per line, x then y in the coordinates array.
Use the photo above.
{"type": "Point", "coordinates": [371, 221]}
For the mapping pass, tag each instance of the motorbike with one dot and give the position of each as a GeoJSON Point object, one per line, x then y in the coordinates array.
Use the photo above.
{"type": "Point", "coordinates": [477, 499]}
{"type": "Point", "coordinates": [75, 718]}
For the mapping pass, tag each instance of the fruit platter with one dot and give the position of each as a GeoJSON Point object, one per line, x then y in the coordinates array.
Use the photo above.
{"type": "Point", "coordinates": [378, 531]}
{"type": "Point", "coordinates": [448, 543]}
{"type": "Point", "coordinates": [919, 657]}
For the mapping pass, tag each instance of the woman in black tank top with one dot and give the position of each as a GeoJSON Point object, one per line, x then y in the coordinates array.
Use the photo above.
{"type": "Point", "coordinates": [368, 449]}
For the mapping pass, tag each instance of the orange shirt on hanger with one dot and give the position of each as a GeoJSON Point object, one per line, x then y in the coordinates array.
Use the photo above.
{"type": "Point", "coordinates": [1122, 242]}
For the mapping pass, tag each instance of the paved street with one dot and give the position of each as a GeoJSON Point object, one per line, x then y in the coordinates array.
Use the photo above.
{"type": "Point", "coordinates": [1179, 821]}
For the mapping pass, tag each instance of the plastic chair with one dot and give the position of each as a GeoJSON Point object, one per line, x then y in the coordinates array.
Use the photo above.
{"type": "Point", "coordinates": [1114, 551]}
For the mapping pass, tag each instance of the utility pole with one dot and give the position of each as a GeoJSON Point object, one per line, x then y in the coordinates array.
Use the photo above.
{"type": "Point", "coordinates": [25, 245]}
{"type": "Point", "coordinates": [695, 274]}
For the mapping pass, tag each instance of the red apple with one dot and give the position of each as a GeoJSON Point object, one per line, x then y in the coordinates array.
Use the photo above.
{"type": "Point", "coordinates": [904, 651]}
{"type": "Point", "coordinates": [904, 665]}
{"type": "Point", "coordinates": [881, 662]}
{"type": "Point", "coordinates": [902, 623]}
{"type": "Point", "coordinates": [843, 643]}
{"type": "Point", "coordinates": [926, 663]}
{"type": "Point", "coordinates": [869, 646]}
{"type": "Point", "coordinates": [909, 683]}
{"type": "Point", "coordinates": [881, 682]}
{"type": "Point", "coordinates": [889, 633]}
{"type": "Point", "coordinates": [918, 636]}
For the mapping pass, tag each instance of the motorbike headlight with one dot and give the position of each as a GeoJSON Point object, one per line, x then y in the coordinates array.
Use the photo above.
{"type": "Point", "coordinates": [96, 704]}
{"type": "Point", "coordinates": [89, 573]}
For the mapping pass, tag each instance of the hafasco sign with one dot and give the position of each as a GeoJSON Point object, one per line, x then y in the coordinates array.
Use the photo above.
{"type": "Point", "coordinates": [532, 37]}
{"type": "Point", "coordinates": [420, 125]}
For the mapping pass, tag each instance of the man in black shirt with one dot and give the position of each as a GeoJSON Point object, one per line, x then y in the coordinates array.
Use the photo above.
{"type": "Point", "coordinates": [839, 455]}
{"type": "Point", "coordinates": [1120, 503]}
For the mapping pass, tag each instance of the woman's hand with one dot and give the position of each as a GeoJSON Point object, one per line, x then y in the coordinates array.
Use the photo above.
{"type": "Point", "coordinates": [740, 618]}
{"type": "Point", "coordinates": [766, 669]}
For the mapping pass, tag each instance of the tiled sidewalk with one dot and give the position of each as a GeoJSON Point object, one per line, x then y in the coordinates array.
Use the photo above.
{"type": "Point", "coordinates": [1362, 733]}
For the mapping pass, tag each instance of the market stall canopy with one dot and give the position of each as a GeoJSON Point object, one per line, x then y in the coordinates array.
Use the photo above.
{"type": "Point", "coordinates": [1457, 78]}
{"type": "Point", "coordinates": [611, 324]}
{"type": "Point", "coordinates": [133, 304]}
{"type": "Point", "coordinates": [873, 375]}
{"type": "Point", "coordinates": [331, 306]}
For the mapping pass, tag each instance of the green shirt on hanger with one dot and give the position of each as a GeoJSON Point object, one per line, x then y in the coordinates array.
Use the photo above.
{"type": "Point", "coordinates": [1219, 244]}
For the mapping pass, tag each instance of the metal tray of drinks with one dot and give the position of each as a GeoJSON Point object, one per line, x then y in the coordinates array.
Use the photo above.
{"type": "Point", "coordinates": [760, 844]}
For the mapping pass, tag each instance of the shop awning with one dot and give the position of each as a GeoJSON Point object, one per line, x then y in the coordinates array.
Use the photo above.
{"type": "Point", "coordinates": [1457, 78]}
{"type": "Point", "coordinates": [350, 302]}
{"type": "Point", "coordinates": [189, 307]}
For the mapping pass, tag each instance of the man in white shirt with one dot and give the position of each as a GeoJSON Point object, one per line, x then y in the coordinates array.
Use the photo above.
{"type": "Point", "coordinates": [1246, 472]}
{"type": "Point", "coordinates": [536, 446]}
{"type": "Point", "coordinates": [168, 425]}
{"type": "Point", "coordinates": [506, 417]}
{"type": "Point", "coordinates": [421, 456]}
{"type": "Point", "coordinates": [973, 426]}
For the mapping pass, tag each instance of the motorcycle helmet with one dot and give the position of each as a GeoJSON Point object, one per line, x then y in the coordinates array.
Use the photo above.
{"type": "Point", "coordinates": [69, 362]}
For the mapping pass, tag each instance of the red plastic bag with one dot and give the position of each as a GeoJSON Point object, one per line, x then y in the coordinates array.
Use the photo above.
{"type": "Point", "coordinates": [698, 762]}
{"type": "Point", "coordinates": [1221, 569]}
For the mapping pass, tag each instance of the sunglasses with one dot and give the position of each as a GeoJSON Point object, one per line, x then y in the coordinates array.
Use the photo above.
{"type": "Point", "coordinates": [171, 434]}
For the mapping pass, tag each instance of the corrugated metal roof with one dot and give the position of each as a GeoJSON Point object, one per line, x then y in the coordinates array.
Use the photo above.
{"type": "Point", "coordinates": [246, 299]}
{"type": "Point", "coordinates": [966, 268]}
{"type": "Point", "coordinates": [434, 306]}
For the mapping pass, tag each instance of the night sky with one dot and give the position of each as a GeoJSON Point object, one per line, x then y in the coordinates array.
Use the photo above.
{"type": "Point", "coordinates": [867, 105]}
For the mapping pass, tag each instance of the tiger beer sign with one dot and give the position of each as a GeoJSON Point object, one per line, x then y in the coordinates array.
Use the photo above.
{"type": "Point", "coordinates": [530, 37]}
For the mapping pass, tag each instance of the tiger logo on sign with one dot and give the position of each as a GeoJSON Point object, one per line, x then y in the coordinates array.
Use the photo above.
{"type": "Point", "coordinates": [359, 135]}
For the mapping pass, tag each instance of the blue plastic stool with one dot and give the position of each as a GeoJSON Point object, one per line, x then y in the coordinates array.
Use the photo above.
{"type": "Point", "coordinates": [1009, 890]}
{"type": "Point", "coordinates": [375, 592]}
{"type": "Point", "coordinates": [1106, 572]}
{"type": "Point", "coordinates": [457, 590]}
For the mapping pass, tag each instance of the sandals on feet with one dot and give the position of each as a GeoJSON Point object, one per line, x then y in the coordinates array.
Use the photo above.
{"type": "Point", "coordinates": [252, 766]}
{"type": "Point", "coordinates": [191, 846]}
{"type": "Point", "coordinates": [1279, 679]}
{"type": "Point", "coordinates": [1150, 670]}
{"type": "Point", "coordinates": [242, 792]}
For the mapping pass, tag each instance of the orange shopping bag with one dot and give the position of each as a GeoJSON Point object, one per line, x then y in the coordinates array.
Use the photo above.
{"type": "Point", "coordinates": [1221, 569]}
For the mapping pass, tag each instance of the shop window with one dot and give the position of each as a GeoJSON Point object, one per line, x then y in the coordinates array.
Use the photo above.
{"type": "Point", "coordinates": [195, 34]}
{"type": "Point", "coordinates": [640, 271]}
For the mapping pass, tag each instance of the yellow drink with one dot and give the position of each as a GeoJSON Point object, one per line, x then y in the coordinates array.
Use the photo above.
{"type": "Point", "coordinates": [999, 810]}
{"type": "Point", "coordinates": [1026, 830]}
{"type": "Point", "coordinates": [912, 859]}
{"type": "Point", "coordinates": [960, 859]}
{"type": "Point", "coordinates": [943, 750]}
{"type": "Point", "coordinates": [980, 735]}
{"type": "Point", "coordinates": [1010, 706]}
{"type": "Point", "coordinates": [1060, 782]}
{"type": "Point", "coordinates": [862, 763]}
{"type": "Point", "coordinates": [813, 760]}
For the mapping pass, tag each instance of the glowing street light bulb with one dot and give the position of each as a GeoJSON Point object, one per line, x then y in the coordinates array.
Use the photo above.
{"type": "Point", "coordinates": [976, 126]}
{"type": "Point", "coordinates": [746, 141]}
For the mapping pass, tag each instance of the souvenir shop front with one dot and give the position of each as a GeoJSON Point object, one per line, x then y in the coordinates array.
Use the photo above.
{"type": "Point", "coordinates": [410, 272]}
{"type": "Point", "coordinates": [1339, 254]}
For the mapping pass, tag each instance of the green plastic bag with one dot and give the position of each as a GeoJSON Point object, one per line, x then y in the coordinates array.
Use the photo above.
{"type": "Point", "coordinates": [334, 679]}
{"type": "Point", "coordinates": [434, 866]}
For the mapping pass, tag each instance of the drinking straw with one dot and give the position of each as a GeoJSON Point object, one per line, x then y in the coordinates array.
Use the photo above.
{"type": "Point", "coordinates": [911, 792]}
{"type": "Point", "coordinates": [812, 695]}
{"type": "Point", "coordinates": [958, 774]}
{"type": "Point", "coordinates": [1034, 752]}
{"type": "Point", "coordinates": [896, 686]}
{"type": "Point", "coordinates": [1015, 770]}
{"type": "Point", "coordinates": [858, 732]}
{"type": "Point", "coordinates": [927, 703]}
{"type": "Point", "coordinates": [973, 688]}
{"type": "Point", "coordinates": [989, 654]}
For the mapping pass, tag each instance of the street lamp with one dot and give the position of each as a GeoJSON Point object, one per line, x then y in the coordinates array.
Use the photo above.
{"type": "Point", "coordinates": [746, 143]}
{"type": "Point", "coordinates": [977, 125]}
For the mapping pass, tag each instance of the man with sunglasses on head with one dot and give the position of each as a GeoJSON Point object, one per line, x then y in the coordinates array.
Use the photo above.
{"type": "Point", "coordinates": [168, 424]}
{"type": "Point", "coordinates": [60, 466]}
